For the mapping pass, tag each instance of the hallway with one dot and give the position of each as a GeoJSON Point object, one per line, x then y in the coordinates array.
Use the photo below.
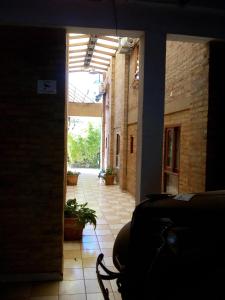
{"type": "Point", "coordinates": [114, 208]}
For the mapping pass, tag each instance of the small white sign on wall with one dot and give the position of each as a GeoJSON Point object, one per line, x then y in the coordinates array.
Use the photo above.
{"type": "Point", "coordinates": [46, 86]}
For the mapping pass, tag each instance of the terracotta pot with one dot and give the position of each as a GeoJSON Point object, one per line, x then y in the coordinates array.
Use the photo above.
{"type": "Point", "coordinates": [72, 229]}
{"type": "Point", "coordinates": [72, 179]}
{"type": "Point", "coordinates": [109, 179]}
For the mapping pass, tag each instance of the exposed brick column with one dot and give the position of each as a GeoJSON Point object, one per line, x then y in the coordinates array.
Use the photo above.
{"type": "Point", "coordinates": [32, 134]}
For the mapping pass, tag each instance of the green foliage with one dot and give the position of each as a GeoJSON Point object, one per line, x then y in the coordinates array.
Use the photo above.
{"type": "Point", "coordinates": [84, 214]}
{"type": "Point", "coordinates": [84, 151]}
{"type": "Point", "coordinates": [109, 171]}
{"type": "Point", "coordinates": [73, 173]}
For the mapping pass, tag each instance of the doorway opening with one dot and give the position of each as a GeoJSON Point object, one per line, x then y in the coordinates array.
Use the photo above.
{"type": "Point", "coordinates": [103, 82]}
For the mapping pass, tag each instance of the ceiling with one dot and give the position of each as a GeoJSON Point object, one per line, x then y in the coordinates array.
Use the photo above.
{"type": "Point", "coordinates": [208, 4]}
{"type": "Point", "coordinates": [90, 53]}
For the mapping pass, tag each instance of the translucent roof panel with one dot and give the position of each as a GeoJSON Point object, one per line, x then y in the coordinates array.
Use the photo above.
{"type": "Point", "coordinates": [77, 48]}
{"type": "Point", "coordinates": [88, 52]}
{"type": "Point", "coordinates": [108, 43]}
{"type": "Point", "coordinates": [100, 55]}
{"type": "Point", "coordinates": [76, 64]}
{"type": "Point", "coordinates": [98, 65]}
{"type": "Point", "coordinates": [76, 34]}
{"type": "Point", "coordinates": [112, 36]}
{"type": "Point", "coordinates": [100, 60]}
{"type": "Point", "coordinates": [110, 51]}
{"type": "Point", "coordinates": [77, 59]}
{"type": "Point", "coordinates": [78, 41]}
{"type": "Point", "coordinates": [74, 54]}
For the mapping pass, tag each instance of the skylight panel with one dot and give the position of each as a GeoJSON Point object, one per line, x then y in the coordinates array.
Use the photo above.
{"type": "Point", "coordinates": [74, 54]}
{"type": "Point", "coordinates": [76, 64]}
{"type": "Point", "coordinates": [76, 34]}
{"type": "Point", "coordinates": [96, 54]}
{"type": "Point", "coordinates": [77, 59]}
{"type": "Point", "coordinates": [77, 48]}
{"type": "Point", "coordinates": [110, 51]}
{"type": "Point", "coordinates": [97, 65]}
{"type": "Point", "coordinates": [78, 41]}
{"type": "Point", "coordinates": [108, 43]}
{"type": "Point", "coordinates": [100, 60]}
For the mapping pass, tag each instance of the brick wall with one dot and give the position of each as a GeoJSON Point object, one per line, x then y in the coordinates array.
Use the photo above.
{"type": "Point", "coordinates": [32, 153]}
{"type": "Point", "coordinates": [186, 104]}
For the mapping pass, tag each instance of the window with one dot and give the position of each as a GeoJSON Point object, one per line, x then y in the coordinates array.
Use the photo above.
{"type": "Point", "coordinates": [117, 149]}
{"type": "Point", "coordinates": [131, 144]}
{"type": "Point", "coordinates": [172, 149]}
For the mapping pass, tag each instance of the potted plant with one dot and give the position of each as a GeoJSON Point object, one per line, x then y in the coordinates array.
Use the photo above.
{"type": "Point", "coordinates": [72, 177]}
{"type": "Point", "coordinates": [109, 176]}
{"type": "Point", "coordinates": [76, 216]}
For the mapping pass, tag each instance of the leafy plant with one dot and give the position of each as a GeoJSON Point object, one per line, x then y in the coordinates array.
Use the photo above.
{"type": "Point", "coordinates": [73, 173]}
{"type": "Point", "coordinates": [81, 212]}
{"type": "Point", "coordinates": [109, 171]}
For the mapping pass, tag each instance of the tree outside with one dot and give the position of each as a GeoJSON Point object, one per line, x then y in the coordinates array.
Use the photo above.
{"type": "Point", "coordinates": [84, 149]}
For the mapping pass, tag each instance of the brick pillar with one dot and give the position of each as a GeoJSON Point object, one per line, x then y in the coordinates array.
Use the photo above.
{"type": "Point", "coordinates": [32, 134]}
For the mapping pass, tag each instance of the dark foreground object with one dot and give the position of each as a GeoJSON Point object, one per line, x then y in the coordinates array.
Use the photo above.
{"type": "Point", "coordinates": [173, 248]}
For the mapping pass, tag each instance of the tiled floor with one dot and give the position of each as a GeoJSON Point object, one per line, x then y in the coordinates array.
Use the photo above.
{"type": "Point", "coordinates": [114, 209]}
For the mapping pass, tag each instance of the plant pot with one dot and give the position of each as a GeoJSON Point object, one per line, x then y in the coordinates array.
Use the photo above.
{"type": "Point", "coordinates": [72, 179]}
{"type": "Point", "coordinates": [72, 229]}
{"type": "Point", "coordinates": [109, 179]}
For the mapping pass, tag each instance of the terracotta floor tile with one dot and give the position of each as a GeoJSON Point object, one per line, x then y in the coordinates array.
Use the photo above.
{"type": "Point", "coordinates": [71, 254]}
{"type": "Point", "coordinates": [73, 297]}
{"type": "Point", "coordinates": [73, 263]}
{"type": "Point", "coordinates": [106, 251]}
{"type": "Point", "coordinates": [105, 238]}
{"type": "Point", "coordinates": [92, 286]}
{"type": "Point", "coordinates": [72, 274]}
{"type": "Point", "coordinates": [117, 296]}
{"type": "Point", "coordinates": [89, 262]}
{"type": "Point", "coordinates": [90, 273]}
{"type": "Point", "coordinates": [90, 246]}
{"type": "Point", "coordinates": [98, 296]}
{"type": "Point", "coordinates": [106, 245]}
{"type": "Point", "coordinates": [71, 287]}
{"type": "Point", "coordinates": [44, 298]}
{"type": "Point", "coordinates": [72, 246]}
{"type": "Point", "coordinates": [89, 238]}
{"type": "Point", "coordinates": [90, 252]}
{"type": "Point", "coordinates": [103, 232]}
